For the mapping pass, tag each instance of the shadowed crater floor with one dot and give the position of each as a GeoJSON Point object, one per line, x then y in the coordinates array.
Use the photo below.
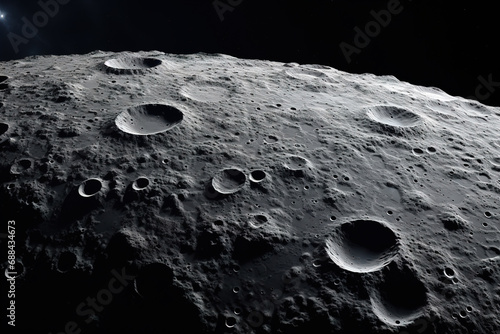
{"type": "Point", "coordinates": [362, 246]}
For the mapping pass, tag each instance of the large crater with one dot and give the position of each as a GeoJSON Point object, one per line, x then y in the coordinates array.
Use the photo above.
{"type": "Point", "coordinates": [362, 246]}
{"type": "Point", "coordinates": [148, 119]}
{"type": "Point", "coordinates": [400, 298]}
{"type": "Point", "coordinates": [130, 65]}
{"type": "Point", "coordinates": [393, 116]}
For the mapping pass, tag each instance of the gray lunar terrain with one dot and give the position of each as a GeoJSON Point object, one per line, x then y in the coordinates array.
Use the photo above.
{"type": "Point", "coordinates": [160, 193]}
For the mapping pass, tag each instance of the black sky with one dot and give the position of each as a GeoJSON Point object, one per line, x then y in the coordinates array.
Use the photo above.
{"type": "Point", "coordinates": [448, 45]}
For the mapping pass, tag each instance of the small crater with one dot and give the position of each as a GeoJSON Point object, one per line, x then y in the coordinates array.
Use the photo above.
{"type": "Point", "coordinates": [362, 246]}
{"type": "Point", "coordinates": [448, 272]}
{"type": "Point", "coordinates": [131, 65]}
{"type": "Point", "coordinates": [258, 220]}
{"type": "Point", "coordinates": [140, 183]}
{"type": "Point", "coordinates": [90, 187]}
{"type": "Point", "coordinates": [219, 222]}
{"type": "Point", "coordinates": [257, 176]}
{"type": "Point", "coordinates": [229, 181]}
{"type": "Point", "coordinates": [417, 151]}
{"type": "Point", "coordinates": [230, 322]}
{"type": "Point", "coordinates": [148, 119]}
{"type": "Point", "coordinates": [296, 163]}
{"type": "Point", "coordinates": [3, 78]}
{"type": "Point", "coordinates": [21, 166]}
{"type": "Point", "coordinates": [271, 139]}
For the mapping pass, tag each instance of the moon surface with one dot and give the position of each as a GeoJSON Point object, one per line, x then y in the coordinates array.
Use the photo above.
{"type": "Point", "coordinates": [161, 193]}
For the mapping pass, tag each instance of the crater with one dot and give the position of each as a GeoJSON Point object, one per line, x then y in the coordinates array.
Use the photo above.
{"type": "Point", "coordinates": [400, 298]}
{"type": "Point", "coordinates": [148, 119]}
{"type": "Point", "coordinates": [3, 78]}
{"type": "Point", "coordinates": [393, 116]}
{"type": "Point", "coordinates": [296, 163]}
{"type": "Point", "coordinates": [229, 181]}
{"type": "Point", "coordinates": [21, 166]}
{"type": "Point", "coordinates": [140, 183]}
{"type": "Point", "coordinates": [257, 220]}
{"type": "Point", "coordinates": [270, 139]}
{"type": "Point", "coordinates": [362, 246]}
{"type": "Point", "coordinates": [257, 176]}
{"type": "Point", "coordinates": [390, 119]}
{"type": "Point", "coordinates": [304, 73]}
{"type": "Point", "coordinates": [131, 65]}
{"type": "Point", "coordinates": [90, 187]}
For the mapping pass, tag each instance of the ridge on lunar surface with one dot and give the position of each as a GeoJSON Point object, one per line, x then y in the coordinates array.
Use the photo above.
{"type": "Point", "coordinates": [214, 194]}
